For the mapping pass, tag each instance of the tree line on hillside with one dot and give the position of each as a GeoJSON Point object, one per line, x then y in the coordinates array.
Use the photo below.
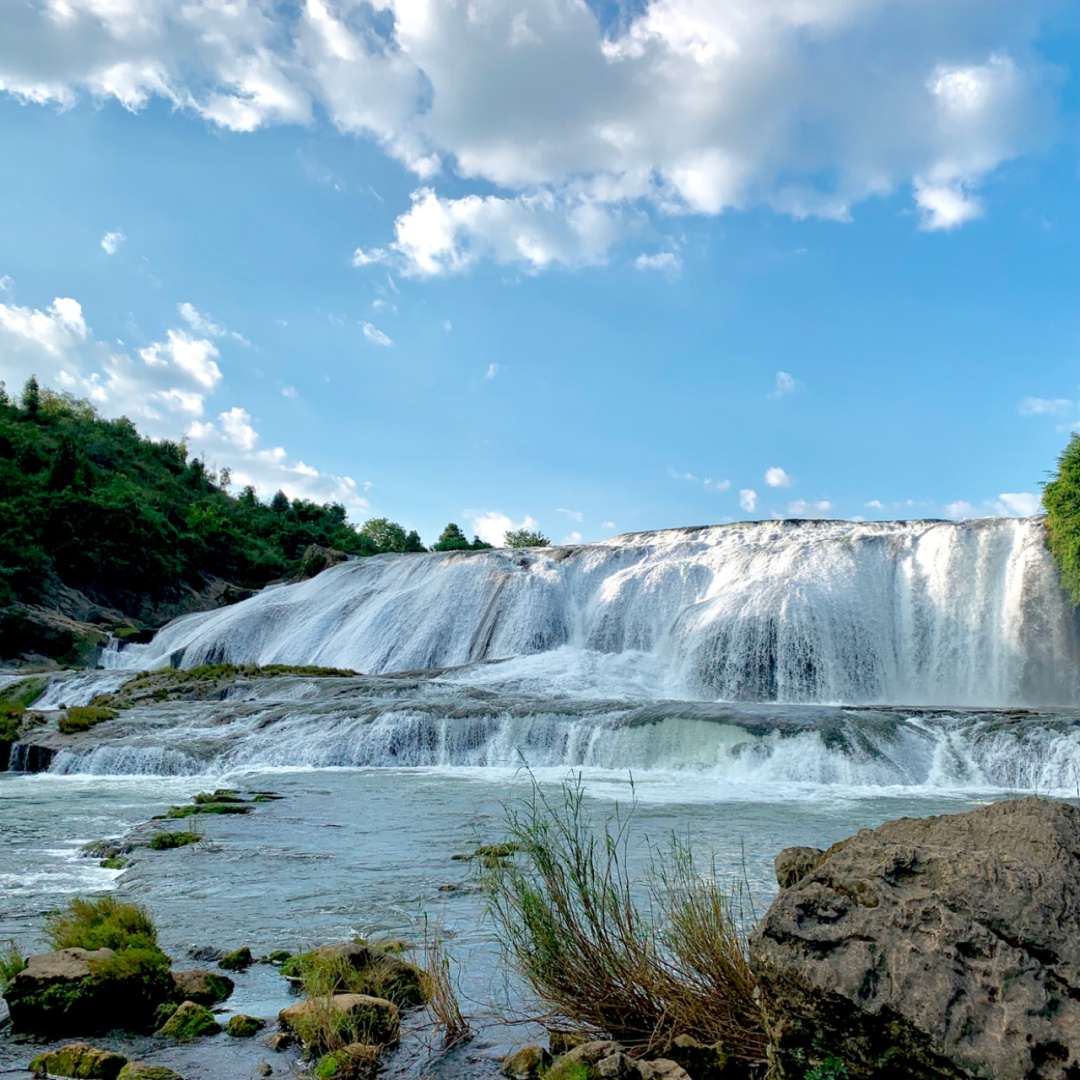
{"type": "Point", "coordinates": [92, 504]}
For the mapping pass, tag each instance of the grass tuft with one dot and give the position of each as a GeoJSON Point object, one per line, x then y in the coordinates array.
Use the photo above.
{"type": "Point", "coordinates": [167, 841]}
{"type": "Point", "coordinates": [566, 913]}
{"type": "Point", "coordinates": [11, 963]}
{"type": "Point", "coordinates": [103, 923]}
{"type": "Point", "coordinates": [82, 718]}
{"type": "Point", "coordinates": [441, 992]}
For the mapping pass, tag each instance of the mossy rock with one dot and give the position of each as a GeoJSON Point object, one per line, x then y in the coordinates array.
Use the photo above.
{"type": "Point", "coordinates": [349, 1063]}
{"type": "Point", "coordinates": [115, 862]}
{"type": "Point", "coordinates": [702, 1061]}
{"type": "Point", "coordinates": [321, 1022]}
{"type": "Point", "coordinates": [238, 960]}
{"type": "Point", "coordinates": [222, 795]}
{"type": "Point", "coordinates": [359, 969]}
{"type": "Point", "coordinates": [142, 1070]}
{"type": "Point", "coordinates": [526, 1063]}
{"type": "Point", "coordinates": [201, 986]}
{"type": "Point", "coordinates": [175, 812]}
{"type": "Point", "coordinates": [244, 1027]}
{"type": "Point", "coordinates": [83, 718]}
{"type": "Point", "coordinates": [190, 1021]}
{"type": "Point", "coordinates": [278, 957]}
{"type": "Point", "coordinates": [79, 1060]}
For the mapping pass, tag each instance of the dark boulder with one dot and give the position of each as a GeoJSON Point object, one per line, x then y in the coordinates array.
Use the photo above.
{"type": "Point", "coordinates": [944, 948]}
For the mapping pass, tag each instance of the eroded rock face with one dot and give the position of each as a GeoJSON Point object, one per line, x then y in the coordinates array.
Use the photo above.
{"type": "Point", "coordinates": [943, 947]}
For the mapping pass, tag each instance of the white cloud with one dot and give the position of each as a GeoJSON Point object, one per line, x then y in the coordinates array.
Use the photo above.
{"type": "Point", "coordinates": [6, 283]}
{"type": "Point", "coordinates": [716, 485]}
{"type": "Point", "coordinates": [164, 389]}
{"type": "Point", "coordinates": [608, 525]}
{"type": "Point", "coordinates": [447, 325]}
{"type": "Point", "coordinates": [680, 106]}
{"type": "Point", "coordinates": [575, 515]}
{"type": "Point", "coordinates": [708, 483]}
{"type": "Point", "coordinates": [1034, 406]}
{"type": "Point", "coordinates": [776, 477]}
{"type": "Point", "coordinates": [875, 504]}
{"type": "Point", "coordinates": [574, 538]}
{"type": "Point", "coordinates": [1020, 504]}
{"type": "Point", "coordinates": [960, 509]}
{"type": "Point", "coordinates": [664, 260]}
{"type": "Point", "coordinates": [492, 371]}
{"type": "Point", "coordinates": [492, 527]}
{"type": "Point", "coordinates": [111, 241]}
{"type": "Point", "coordinates": [289, 392]}
{"type": "Point", "coordinates": [375, 335]}
{"type": "Point", "coordinates": [748, 500]}
{"type": "Point", "coordinates": [785, 384]}
{"type": "Point", "coordinates": [203, 324]}
{"type": "Point", "coordinates": [800, 508]}
{"type": "Point", "coordinates": [367, 258]}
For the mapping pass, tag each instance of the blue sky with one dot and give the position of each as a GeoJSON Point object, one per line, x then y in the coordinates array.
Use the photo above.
{"type": "Point", "coordinates": [603, 268]}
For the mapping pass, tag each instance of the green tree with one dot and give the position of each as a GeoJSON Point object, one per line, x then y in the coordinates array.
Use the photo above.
{"type": "Point", "coordinates": [385, 535]}
{"type": "Point", "coordinates": [480, 545]}
{"type": "Point", "coordinates": [451, 539]}
{"type": "Point", "coordinates": [413, 542]}
{"type": "Point", "coordinates": [65, 466]}
{"type": "Point", "coordinates": [523, 538]}
{"type": "Point", "coordinates": [1061, 500]}
{"type": "Point", "coordinates": [31, 396]}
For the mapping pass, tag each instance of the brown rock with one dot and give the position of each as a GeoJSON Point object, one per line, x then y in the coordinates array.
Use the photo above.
{"type": "Point", "coordinates": [589, 1053]}
{"type": "Point", "coordinates": [617, 1066]}
{"type": "Point", "coordinates": [201, 986]}
{"type": "Point", "coordinates": [528, 1062]}
{"type": "Point", "coordinates": [61, 966]}
{"type": "Point", "coordinates": [375, 1019]}
{"type": "Point", "coordinates": [794, 863]}
{"type": "Point", "coordinates": [316, 559]}
{"type": "Point", "coordinates": [662, 1069]}
{"type": "Point", "coordinates": [944, 947]}
{"type": "Point", "coordinates": [143, 1070]}
{"type": "Point", "coordinates": [79, 1060]}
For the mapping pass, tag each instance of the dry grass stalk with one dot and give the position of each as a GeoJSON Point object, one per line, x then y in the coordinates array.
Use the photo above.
{"type": "Point", "coordinates": [565, 912]}
{"type": "Point", "coordinates": [442, 999]}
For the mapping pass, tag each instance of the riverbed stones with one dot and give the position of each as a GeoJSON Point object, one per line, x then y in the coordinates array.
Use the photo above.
{"type": "Point", "coordinates": [241, 1026]}
{"type": "Point", "coordinates": [79, 1060]}
{"type": "Point", "coordinates": [238, 960]}
{"type": "Point", "coordinates": [526, 1063]}
{"type": "Point", "coordinates": [201, 986]}
{"type": "Point", "coordinates": [943, 947]}
{"type": "Point", "coordinates": [375, 1021]}
{"type": "Point", "coordinates": [143, 1070]}
{"type": "Point", "coordinates": [190, 1021]}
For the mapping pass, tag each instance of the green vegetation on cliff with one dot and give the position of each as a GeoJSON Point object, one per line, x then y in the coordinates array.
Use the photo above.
{"type": "Point", "coordinates": [92, 504]}
{"type": "Point", "coordinates": [1061, 500]}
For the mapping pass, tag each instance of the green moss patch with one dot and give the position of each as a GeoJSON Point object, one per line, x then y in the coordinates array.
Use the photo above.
{"type": "Point", "coordinates": [115, 862]}
{"type": "Point", "coordinates": [106, 923]}
{"type": "Point", "coordinates": [167, 841]}
{"type": "Point", "coordinates": [82, 718]}
{"type": "Point", "coordinates": [238, 960]}
{"type": "Point", "coordinates": [208, 808]}
{"type": "Point", "coordinates": [244, 1027]}
{"type": "Point", "coordinates": [79, 1060]}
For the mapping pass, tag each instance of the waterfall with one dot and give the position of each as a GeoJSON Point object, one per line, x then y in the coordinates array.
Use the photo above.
{"type": "Point", "coordinates": [906, 613]}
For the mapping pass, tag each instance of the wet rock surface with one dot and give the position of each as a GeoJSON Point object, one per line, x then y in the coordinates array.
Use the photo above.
{"type": "Point", "coordinates": [941, 947]}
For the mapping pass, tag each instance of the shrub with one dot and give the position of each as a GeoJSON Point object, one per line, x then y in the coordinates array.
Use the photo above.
{"type": "Point", "coordinates": [364, 969]}
{"type": "Point", "coordinates": [11, 963]}
{"type": "Point", "coordinates": [104, 923]}
{"type": "Point", "coordinates": [440, 991]}
{"type": "Point", "coordinates": [83, 717]}
{"type": "Point", "coordinates": [565, 911]}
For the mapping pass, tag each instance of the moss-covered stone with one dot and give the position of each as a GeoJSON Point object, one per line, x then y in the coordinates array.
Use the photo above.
{"type": "Point", "coordinates": [349, 1063]}
{"type": "Point", "coordinates": [322, 1022]}
{"type": "Point", "coordinates": [168, 841]}
{"type": "Point", "coordinates": [279, 956]}
{"type": "Point", "coordinates": [114, 862]}
{"type": "Point", "coordinates": [190, 1021]}
{"type": "Point", "coordinates": [201, 986]}
{"type": "Point", "coordinates": [354, 968]}
{"type": "Point", "coordinates": [244, 1027]}
{"type": "Point", "coordinates": [79, 1060]}
{"type": "Point", "coordinates": [142, 1070]}
{"type": "Point", "coordinates": [238, 960]}
{"type": "Point", "coordinates": [526, 1063]}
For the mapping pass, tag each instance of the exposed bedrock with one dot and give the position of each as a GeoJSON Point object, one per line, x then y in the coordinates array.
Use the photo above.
{"type": "Point", "coordinates": [942, 947]}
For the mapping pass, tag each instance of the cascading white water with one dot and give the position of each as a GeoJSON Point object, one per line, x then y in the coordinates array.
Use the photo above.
{"type": "Point", "coordinates": [923, 612]}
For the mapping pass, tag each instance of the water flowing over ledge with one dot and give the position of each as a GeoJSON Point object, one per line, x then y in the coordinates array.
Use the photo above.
{"type": "Point", "coordinates": [924, 612]}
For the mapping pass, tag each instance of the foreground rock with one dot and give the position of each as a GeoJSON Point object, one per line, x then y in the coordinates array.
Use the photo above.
{"type": "Point", "coordinates": [599, 1059]}
{"type": "Point", "coordinates": [142, 1070]}
{"type": "Point", "coordinates": [190, 1021]}
{"type": "Point", "coordinates": [72, 991]}
{"type": "Point", "coordinates": [79, 1060]}
{"type": "Point", "coordinates": [946, 947]}
{"type": "Point", "coordinates": [362, 969]}
{"type": "Point", "coordinates": [374, 1021]}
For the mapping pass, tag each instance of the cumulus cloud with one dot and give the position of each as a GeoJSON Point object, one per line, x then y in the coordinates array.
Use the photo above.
{"type": "Point", "coordinates": [574, 515]}
{"type": "Point", "coordinates": [1034, 406]}
{"type": "Point", "coordinates": [111, 241]}
{"type": "Point", "coordinates": [164, 388]}
{"type": "Point", "coordinates": [492, 371]}
{"type": "Point", "coordinates": [875, 504]}
{"type": "Point", "coordinates": [607, 525]}
{"type": "Point", "coordinates": [492, 526]}
{"type": "Point", "coordinates": [568, 119]}
{"type": "Point", "coordinates": [748, 500]}
{"type": "Point", "coordinates": [1020, 504]}
{"type": "Point", "coordinates": [800, 508]}
{"type": "Point", "coordinates": [375, 335]}
{"type": "Point", "coordinates": [776, 477]}
{"type": "Point", "coordinates": [960, 509]}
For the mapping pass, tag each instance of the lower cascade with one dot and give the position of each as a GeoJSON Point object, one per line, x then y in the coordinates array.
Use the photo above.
{"type": "Point", "coordinates": [906, 613]}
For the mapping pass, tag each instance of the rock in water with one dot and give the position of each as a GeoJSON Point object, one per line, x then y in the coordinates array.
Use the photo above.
{"type": "Point", "coordinates": [528, 1062]}
{"type": "Point", "coordinates": [202, 987]}
{"type": "Point", "coordinates": [141, 1070]}
{"type": "Point", "coordinates": [943, 947]}
{"type": "Point", "coordinates": [79, 1060]}
{"type": "Point", "coordinates": [189, 1022]}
